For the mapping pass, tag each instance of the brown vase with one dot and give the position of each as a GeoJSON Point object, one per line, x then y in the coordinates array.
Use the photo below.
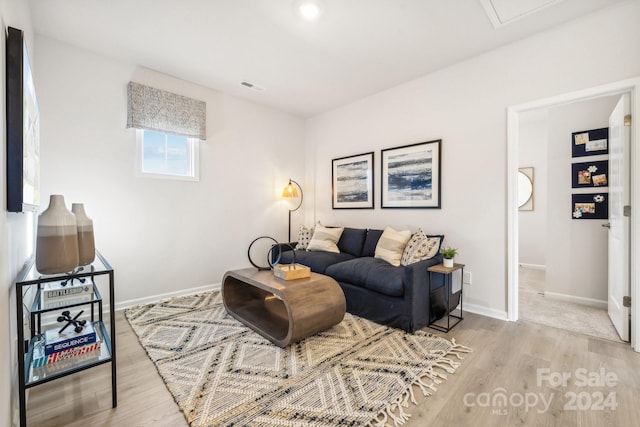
{"type": "Point", "coordinates": [86, 242]}
{"type": "Point", "coordinates": [57, 238]}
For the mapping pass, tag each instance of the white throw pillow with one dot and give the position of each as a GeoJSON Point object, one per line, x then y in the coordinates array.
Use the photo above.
{"type": "Point", "coordinates": [391, 245]}
{"type": "Point", "coordinates": [304, 237]}
{"type": "Point", "coordinates": [420, 247]}
{"type": "Point", "coordinates": [325, 239]}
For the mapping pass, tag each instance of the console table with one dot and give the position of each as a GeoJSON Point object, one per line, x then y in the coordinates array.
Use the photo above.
{"type": "Point", "coordinates": [283, 311]}
{"type": "Point", "coordinates": [30, 286]}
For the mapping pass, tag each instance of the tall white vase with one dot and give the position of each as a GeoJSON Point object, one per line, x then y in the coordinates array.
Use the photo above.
{"type": "Point", "coordinates": [86, 241]}
{"type": "Point", "coordinates": [57, 238]}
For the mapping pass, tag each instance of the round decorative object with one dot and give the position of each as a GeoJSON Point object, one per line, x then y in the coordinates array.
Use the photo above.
{"type": "Point", "coordinates": [57, 238]}
{"type": "Point", "coordinates": [448, 262]}
{"type": "Point", "coordinates": [525, 189]}
{"type": "Point", "coordinates": [269, 263]}
{"type": "Point", "coordinates": [86, 242]}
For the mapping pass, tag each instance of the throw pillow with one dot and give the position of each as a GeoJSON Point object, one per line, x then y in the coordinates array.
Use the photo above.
{"type": "Point", "coordinates": [325, 239]}
{"type": "Point", "coordinates": [420, 247]}
{"type": "Point", "coordinates": [391, 245]}
{"type": "Point", "coordinates": [304, 236]}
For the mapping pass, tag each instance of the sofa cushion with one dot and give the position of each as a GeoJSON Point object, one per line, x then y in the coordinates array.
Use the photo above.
{"type": "Point", "coordinates": [391, 245]}
{"type": "Point", "coordinates": [420, 247]}
{"type": "Point", "coordinates": [318, 261]}
{"type": "Point", "coordinates": [371, 273]}
{"type": "Point", "coordinates": [352, 241]}
{"type": "Point", "coordinates": [304, 237]}
{"type": "Point", "coordinates": [371, 242]}
{"type": "Point", "coordinates": [325, 239]}
{"type": "Point", "coordinates": [353, 271]}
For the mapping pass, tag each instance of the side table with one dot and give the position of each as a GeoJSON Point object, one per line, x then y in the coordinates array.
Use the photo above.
{"type": "Point", "coordinates": [452, 299]}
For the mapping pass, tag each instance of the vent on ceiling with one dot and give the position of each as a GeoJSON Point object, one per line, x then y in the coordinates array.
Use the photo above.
{"type": "Point", "coordinates": [505, 12]}
{"type": "Point", "coordinates": [251, 86]}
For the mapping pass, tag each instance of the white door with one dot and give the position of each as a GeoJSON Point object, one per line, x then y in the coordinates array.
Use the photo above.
{"type": "Point", "coordinates": [619, 183]}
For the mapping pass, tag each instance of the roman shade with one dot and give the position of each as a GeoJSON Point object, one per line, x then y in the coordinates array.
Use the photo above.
{"type": "Point", "coordinates": [154, 109]}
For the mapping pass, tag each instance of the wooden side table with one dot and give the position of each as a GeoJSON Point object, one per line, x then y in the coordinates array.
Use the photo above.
{"type": "Point", "coordinates": [451, 299]}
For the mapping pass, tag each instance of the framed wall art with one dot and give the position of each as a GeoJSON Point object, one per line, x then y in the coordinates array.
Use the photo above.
{"type": "Point", "coordinates": [352, 182]}
{"type": "Point", "coordinates": [590, 174]}
{"type": "Point", "coordinates": [411, 176]}
{"type": "Point", "coordinates": [590, 206]}
{"type": "Point", "coordinates": [23, 128]}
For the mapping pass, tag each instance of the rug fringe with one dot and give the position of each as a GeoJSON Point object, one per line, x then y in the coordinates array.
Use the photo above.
{"type": "Point", "coordinates": [395, 413]}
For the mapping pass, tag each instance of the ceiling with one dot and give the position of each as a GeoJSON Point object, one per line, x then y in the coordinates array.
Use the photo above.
{"type": "Point", "coordinates": [357, 47]}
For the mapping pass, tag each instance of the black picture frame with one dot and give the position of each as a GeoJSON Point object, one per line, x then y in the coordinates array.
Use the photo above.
{"type": "Point", "coordinates": [590, 206]}
{"type": "Point", "coordinates": [590, 142]}
{"type": "Point", "coordinates": [590, 174]}
{"type": "Point", "coordinates": [411, 176]}
{"type": "Point", "coordinates": [352, 182]}
{"type": "Point", "coordinates": [23, 128]}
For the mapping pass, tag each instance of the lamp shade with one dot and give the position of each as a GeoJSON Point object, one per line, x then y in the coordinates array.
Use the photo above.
{"type": "Point", "coordinates": [290, 191]}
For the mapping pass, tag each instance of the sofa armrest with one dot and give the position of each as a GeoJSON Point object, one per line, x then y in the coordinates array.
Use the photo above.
{"type": "Point", "coordinates": [417, 289]}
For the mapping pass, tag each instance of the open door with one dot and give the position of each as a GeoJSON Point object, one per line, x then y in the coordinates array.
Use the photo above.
{"type": "Point", "coordinates": [619, 182]}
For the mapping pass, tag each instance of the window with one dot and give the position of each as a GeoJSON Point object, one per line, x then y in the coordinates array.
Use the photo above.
{"type": "Point", "coordinates": [163, 155]}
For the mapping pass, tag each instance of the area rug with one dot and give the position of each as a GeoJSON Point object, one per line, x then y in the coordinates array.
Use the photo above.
{"type": "Point", "coordinates": [221, 373]}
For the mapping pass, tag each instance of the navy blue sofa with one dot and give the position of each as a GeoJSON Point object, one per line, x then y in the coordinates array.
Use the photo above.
{"type": "Point", "coordinates": [374, 289]}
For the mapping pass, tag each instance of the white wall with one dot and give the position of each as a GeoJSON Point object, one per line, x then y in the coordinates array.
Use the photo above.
{"type": "Point", "coordinates": [162, 236]}
{"type": "Point", "coordinates": [576, 249]}
{"type": "Point", "coordinates": [532, 152]}
{"type": "Point", "coordinates": [465, 105]}
{"type": "Point", "coordinates": [16, 230]}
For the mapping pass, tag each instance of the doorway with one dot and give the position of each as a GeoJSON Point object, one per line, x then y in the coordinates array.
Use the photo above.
{"type": "Point", "coordinates": [515, 113]}
{"type": "Point", "coordinates": [563, 260]}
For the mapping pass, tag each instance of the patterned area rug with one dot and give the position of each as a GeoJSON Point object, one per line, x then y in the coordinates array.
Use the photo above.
{"type": "Point", "coordinates": [222, 373]}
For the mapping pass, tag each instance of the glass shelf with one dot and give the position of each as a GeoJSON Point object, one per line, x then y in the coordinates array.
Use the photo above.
{"type": "Point", "coordinates": [41, 374]}
{"type": "Point", "coordinates": [38, 307]}
{"type": "Point", "coordinates": [31, 276]}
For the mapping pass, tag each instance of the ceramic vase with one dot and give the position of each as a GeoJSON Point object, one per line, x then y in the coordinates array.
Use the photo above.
{"type": "Point", "coordinates": [57, 238]}
{"type": "Point", "coordinates": [448, 262]}
{"type": "Point", "coordinates": [86, 241]}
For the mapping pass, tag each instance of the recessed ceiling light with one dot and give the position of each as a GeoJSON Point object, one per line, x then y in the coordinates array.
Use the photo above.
{"type": "Point", "coordinates": [309, 10]}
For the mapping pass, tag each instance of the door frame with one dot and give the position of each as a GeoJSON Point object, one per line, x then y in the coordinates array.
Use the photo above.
{"type": "Point", "coordinates": [630, 86]}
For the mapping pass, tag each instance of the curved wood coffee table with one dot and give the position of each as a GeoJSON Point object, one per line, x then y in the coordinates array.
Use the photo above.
{"type": "Point", "coordinates": [283, 311]}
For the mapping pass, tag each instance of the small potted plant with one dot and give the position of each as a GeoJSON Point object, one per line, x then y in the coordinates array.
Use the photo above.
{"type": "Point", "coordinates": [448, 253]}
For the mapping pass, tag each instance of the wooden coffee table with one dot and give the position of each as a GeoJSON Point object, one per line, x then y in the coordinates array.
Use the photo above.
{"type": "Point", "coordinates": [283, 311]}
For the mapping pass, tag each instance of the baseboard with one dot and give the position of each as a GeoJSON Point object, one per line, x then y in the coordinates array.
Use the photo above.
{"type": "Point", "coordinates": [161, 297]}
{"type": "Point", "coordinates": [485, 311]}
{"type": "Point", "coordinates": [532, 266]}
{"type": "Point", "coordinates": [577, 300]}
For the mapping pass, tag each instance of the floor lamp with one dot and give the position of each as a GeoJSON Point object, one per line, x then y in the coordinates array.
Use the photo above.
{"type": "Point", "coordinates": [291, 191]}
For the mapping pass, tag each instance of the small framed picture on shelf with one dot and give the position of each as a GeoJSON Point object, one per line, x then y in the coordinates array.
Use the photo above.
{"type": "Point", "coordinates": [590, 174]}
{"type": "Point", "coordinates": [590, 206]}
{"type": "Point", "coordinates": [352, 182]}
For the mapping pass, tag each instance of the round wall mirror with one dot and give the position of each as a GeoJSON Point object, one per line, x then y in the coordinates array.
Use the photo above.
{"type": "Point", "coordinates": [525, 189]}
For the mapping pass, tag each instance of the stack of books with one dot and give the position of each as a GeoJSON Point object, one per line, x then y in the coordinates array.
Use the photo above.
{"type": "Point", "coordinates": [62, 346]}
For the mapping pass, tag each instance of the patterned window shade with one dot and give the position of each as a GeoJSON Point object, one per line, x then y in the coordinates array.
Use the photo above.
{"type": "Point", "coordinates": [158, 110]}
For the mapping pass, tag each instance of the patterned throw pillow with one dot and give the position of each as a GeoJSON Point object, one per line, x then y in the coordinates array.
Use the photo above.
{"type": "Point", "coordinates": [325, 239]}
{"type": "Point", "coordinates": [391, 245]}
{"type": "Point", "coordinates": [304, 237]}
{"type": "Point", "coordinates": [420, 247]}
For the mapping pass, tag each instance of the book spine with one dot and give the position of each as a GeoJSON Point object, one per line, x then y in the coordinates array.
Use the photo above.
{"type": "Point", "coordinates": [68, 292]}
{"type": "Point", "coordinates": [78, 341]}
{"type": "Point", "coordinates": [64, 355]}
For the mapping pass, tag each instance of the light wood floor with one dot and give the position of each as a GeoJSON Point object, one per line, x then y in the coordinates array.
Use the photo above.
{"type": "Point", "coordinates": [506, 355]}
